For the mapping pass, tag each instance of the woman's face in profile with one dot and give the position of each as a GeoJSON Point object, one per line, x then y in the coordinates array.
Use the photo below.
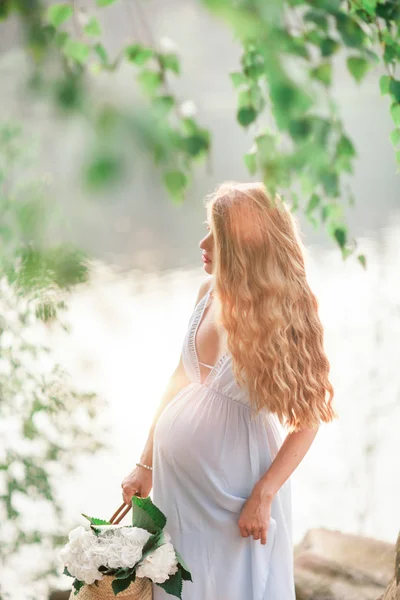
{"type": "Point", "coordinates": [206, 245]}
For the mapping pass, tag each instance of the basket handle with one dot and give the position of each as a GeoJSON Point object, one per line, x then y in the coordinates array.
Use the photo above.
{"type": "Point", "coordinates": [120, 513]}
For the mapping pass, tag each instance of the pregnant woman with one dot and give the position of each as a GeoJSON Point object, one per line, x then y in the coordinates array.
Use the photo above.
{"type": "Point", "coordinates": [252, 365]}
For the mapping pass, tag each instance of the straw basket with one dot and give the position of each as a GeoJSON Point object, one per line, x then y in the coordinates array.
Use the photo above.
{"type": "Point", "coordinates": [140, 589]}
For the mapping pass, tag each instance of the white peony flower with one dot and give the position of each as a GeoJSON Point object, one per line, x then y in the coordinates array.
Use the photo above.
{"type": "Point", "coordinates": [188, 109]}
{"type": "Point", "coordinates": [159, 565]}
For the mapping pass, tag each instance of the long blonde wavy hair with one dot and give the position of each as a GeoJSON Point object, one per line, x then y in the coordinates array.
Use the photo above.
{"type": "Point", "coordinates": [266, 307]}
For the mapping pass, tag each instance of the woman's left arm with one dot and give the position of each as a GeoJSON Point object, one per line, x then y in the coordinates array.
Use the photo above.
{"type": "Point", "coordinates": [256, 512]}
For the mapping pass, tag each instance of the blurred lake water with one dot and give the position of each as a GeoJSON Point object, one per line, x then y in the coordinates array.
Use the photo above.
{"type": "Point", "coordinates": [127, 331]}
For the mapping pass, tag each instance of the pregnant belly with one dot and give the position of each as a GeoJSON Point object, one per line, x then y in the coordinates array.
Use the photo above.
{"type": "Point", "coordinates": [187, 433]}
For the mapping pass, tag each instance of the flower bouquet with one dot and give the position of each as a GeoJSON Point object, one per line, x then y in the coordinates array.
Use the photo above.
{"type": "Point", "coordinates": [110, 559]}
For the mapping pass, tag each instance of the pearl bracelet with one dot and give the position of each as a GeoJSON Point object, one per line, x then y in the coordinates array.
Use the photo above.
{"type": "Point", "coordinates": [139, 464]}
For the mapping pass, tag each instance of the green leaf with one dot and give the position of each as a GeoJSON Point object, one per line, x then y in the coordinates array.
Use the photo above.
{"type": "Point", "coordinates": [119, 585]}
{"type": "Point", "coordinates": [345, 147]}
{"type": "Point", "coordinates": [101, 53]}
{"type": "Point", "coordinates": [330, 183]}
{"type": "Point", "coordinates": [186, 574]}
{"type": "Point", "coordinates": [76, 50]}
{"type": "Point", "coordinates": [351, 32]}
{"type": "Point", "coordinates": [59, 13]}
{"type": "Point", "coordinates": [250, 160]}
{"type": "Point", "coordinates": [257, 99]}
{"type": "Point", "coordinates": [358, 67]}
{"type": "Point", "coordinates": [92, 28]}
{"type": "Point", "coordinates": [77, 585]}
{"type": "Point", "coordinates": [195, 144]}
{"type": "Point", "coordinates": [395, 112]}
{"type": "Point", "coordinates": [329, 46]}
{"type": "Point", "coordinates": [61, 38]}
{"type": "Point", "coordinates": [154, 542]}
{"type": "Point", "coordinates": [238, 79]}
{"type": "Point", "coordinates": [384, 84]}
{"type": "Point", "coordinates": [246, 116]}
{"type": "Point", "coordinates": [138, 54]}
{"type": "Point", "coordinates": [173, 585]}
{"type": "Point", "coordinates": [395, 137]}
{"type": "Point", "coordinates": [145, 505]}
{"type": "Point", "coordinates": [394, 88]}
{"type": "Point", "coordinates": [105, 168]}
{"type": "Point", "coordinates": [362, 260]}
{"type": "Point", "coordinates": [266, 147]}
{"type": "Point", "coordinates": [313, 203]}
{"type": "Point", "coordinates": [66, 572]}
{"type": "Point", "coordinates": [150, 81]}
{"type": "Point", "coordinates": [323, 73]}
{"type": "Point", "coordinates": [170, 62]}
{"type": "Point", "coordinates": [104, 2]}
{"type": "Point", "coordinates": [176, 182]}
{"type": "Point", "coordinates": [95, 521]}
{"type": "Point", "coordinates": [300, 129]}
{"type": "Point", "coordinates": [164, 104]}
{"type": "Point", "coordinates": [340, 234]}
{"type": "Point", "coordinates": [318, 17]}
{"type": "Point", "coordinates": [370, 6]}
{"type": "Point", "coordinates": [124, 573]}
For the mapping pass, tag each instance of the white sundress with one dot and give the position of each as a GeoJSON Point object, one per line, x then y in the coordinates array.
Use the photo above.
{"type": "Point", "coordinates": [207, 455]}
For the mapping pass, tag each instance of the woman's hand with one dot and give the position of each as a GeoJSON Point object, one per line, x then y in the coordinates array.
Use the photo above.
{"type": "Point", "coordinates": [255, 515]}
{"type": "Point", "coordinates": [138, 483]}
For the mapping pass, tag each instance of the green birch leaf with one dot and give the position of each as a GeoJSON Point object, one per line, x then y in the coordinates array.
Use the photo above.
{"type": "Point", "coordinates": [176, 182]}
{"type": "Point", "coordinates": [340, 234]}
{"type": "Point", "coordinates": [59, 13]}
{"type": "Point", "coordinates": [150, 81]}
{"type": "Point", "coordinates": [362, 260]}
{"type": "Point", "coordinates": [395, 137]}
{"type": "Point", "coordinates": [138, 54]}
{"type": "Point", "coordinates": [394, 88]}
{"type": "Point", "coordinates": [345, 147]}
{"type": "Point", "coordinates": [323, 73]}
{"type": "Point", "coordinates": [104, 2]}
{"type": "Point", "coordinates": [238, 79]}
{"type": "Point", "coordinates": [313, 203]}
{"type": "Point", "coordinates": [250, 160]}
{"type": "Point", "coordinates": [358, 67]}
{"type": "Point", "coordinates": [329, 46]}
{"type": "Point", "coordinates": [76, 50]}
{"type": "Point", "coordinates": [101, 53]}
{"type": "Point", "coordinates": [92, 28]}
{"type": "Point", "coordinates": [395, 112]}
{"type": "Point", "coordinates": [246, 116]}
{"type": "Point", "coordinates": [384, 84]}
{"type": "Point", "coordinates": [170, 62]}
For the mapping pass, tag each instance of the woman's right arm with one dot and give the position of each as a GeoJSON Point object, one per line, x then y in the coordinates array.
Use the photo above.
{"type": "Point", "coordinates": [139, 480]}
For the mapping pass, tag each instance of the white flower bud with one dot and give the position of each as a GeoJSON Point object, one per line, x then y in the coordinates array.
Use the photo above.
{"type": "Point", "coordinates": [167, 46]}
{"type": "Point", "coordinates": [188, 109]}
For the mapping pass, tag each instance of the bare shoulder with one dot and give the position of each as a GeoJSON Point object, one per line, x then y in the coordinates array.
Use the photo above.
{"type": "Point", "coordinates": [205, 286]}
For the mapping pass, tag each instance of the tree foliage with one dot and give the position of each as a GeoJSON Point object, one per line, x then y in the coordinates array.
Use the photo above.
{"type": "Point", "coordinates": [283, 85]}
{"type": "Point", "coordinates": [45, 422]}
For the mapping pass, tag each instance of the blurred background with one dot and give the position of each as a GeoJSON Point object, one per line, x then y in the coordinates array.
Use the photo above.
{"type": "Point", "coordinates": [120, 333]}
